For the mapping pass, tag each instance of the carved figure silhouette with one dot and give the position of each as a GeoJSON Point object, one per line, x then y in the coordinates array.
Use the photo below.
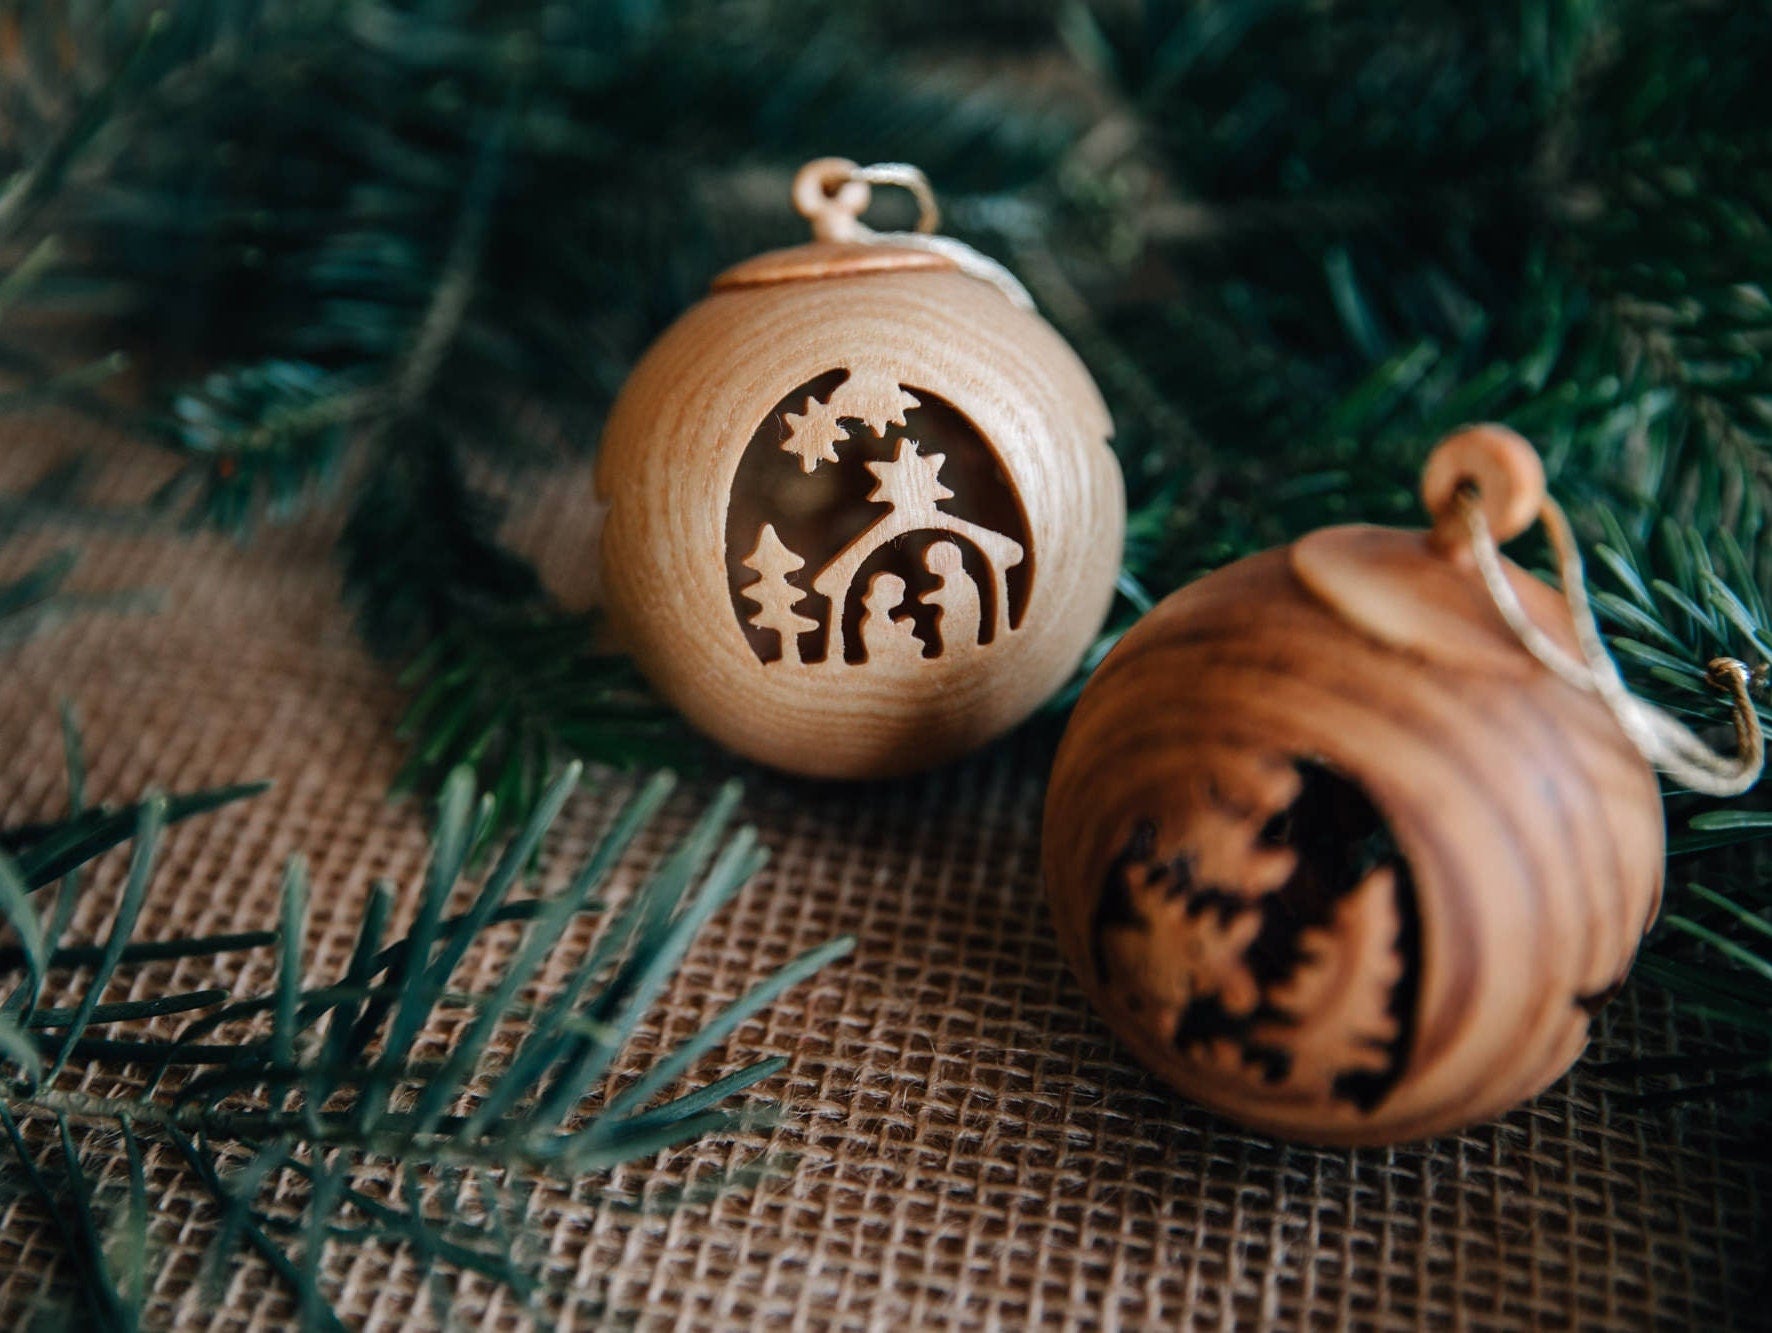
{"type": "Point", "coordinates": [884, 637]}
{"type": "Point", "coordinates": [955, 596]}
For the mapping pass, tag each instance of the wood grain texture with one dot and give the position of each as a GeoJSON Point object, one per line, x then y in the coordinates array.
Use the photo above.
{"type": "Point", "coordinates": [1340, 888]}
{"type": "Point", "coordinates": [962, 575]}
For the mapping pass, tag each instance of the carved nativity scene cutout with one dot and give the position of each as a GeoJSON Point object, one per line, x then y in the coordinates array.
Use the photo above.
{"type": "Point", "coordinates": [871, 524]}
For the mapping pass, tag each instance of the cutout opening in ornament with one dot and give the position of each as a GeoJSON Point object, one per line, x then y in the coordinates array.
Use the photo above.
{"type": "Point", "coordinates": [1307, 984]}
{"type": "Point", "coordinates": [871, 521]}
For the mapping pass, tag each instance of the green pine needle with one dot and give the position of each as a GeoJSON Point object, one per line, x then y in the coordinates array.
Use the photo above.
{"type": "Point", "coordinates": [318, 1079]}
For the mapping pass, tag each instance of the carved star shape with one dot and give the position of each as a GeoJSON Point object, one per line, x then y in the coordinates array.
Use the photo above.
{"type": "Point", "coordinates": [813, 434]}
{"type": "Point", "coordinates": [909, 481]}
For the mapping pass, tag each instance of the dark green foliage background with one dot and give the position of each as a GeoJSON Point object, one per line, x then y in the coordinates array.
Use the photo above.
{"type": "Point", "coordinates": [1295, 241]}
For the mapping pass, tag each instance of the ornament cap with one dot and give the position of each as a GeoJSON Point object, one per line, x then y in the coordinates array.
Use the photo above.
{"type": "Point", "coordinates": [832, 193]}
{"type": "Point", "coordinates": [1423, 592]}
{"type": "Point", "coordinates": [829, 259]}
{"type": "Point", "coordinates": [1400, 587]}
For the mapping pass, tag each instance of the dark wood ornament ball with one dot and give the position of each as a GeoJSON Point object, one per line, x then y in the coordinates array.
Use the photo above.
{"type": "Point", "coordinates": [863, 516]}
{"type": "Point", "coordinates": [1332, 852]}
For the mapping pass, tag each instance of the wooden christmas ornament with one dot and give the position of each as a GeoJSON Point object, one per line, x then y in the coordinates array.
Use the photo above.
{"type": "Point", "coordinates": [1350, 839]}
{"type": "Point", "coordinates": [863, 516]}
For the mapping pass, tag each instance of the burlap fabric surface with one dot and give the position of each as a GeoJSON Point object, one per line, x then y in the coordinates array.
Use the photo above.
{"type": "Point", "coordinates": [964, 1144]}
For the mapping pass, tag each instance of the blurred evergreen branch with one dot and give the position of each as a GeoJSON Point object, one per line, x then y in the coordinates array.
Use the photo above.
{"type": "Point", "coordinates": [39, 597]}
{"type": "Point", "coordinates": [320, 1092]}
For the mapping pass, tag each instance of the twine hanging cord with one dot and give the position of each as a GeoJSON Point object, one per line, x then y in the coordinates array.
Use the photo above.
{"type": "Point", "coordinates": [1662, 739]}
{"type": "Point", "coordinates": [833, 192]}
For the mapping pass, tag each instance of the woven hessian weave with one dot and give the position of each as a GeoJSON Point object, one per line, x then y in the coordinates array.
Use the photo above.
{"type": "Point", "coordinates": [964, 1146]}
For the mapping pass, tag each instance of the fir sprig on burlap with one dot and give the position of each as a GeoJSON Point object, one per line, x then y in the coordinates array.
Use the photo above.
{"type": "Point", "coordinates": [337, 1091]}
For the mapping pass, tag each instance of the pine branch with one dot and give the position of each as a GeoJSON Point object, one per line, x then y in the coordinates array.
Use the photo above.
{"type": "Point", "coordinates": [502, 680]}
{"type": "Point", "coordinates": [315, 1080]}
{"type": "Point", "coordinates": [291, 192]}
{"type": "Point", "coordinates": [40, 598]}
{"type": "Point", "coordinates": [270, 435]}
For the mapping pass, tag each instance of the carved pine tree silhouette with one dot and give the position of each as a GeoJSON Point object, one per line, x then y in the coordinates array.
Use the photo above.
{"type": "Point", "coordinates": [1258, 939]}
{"type": "Point", "coordinates": [1168, 954]}
{"type": "Point", "coordinates": [775, 594]}
{"type": "Point", "coordinates": [1338, 1001]}
{"type": "Point", "coordinates": [877, 401]}
{"type": "Point", "coordinates": [910, 485]}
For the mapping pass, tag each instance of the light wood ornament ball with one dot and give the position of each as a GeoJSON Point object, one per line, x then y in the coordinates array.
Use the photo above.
{"type": "Point", "coordinates": [862, 513]}
{"type": "Point", "coordinates": [1332, 852]}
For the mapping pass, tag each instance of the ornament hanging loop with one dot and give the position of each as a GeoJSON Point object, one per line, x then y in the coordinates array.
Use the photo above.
{"type": "Point", "coordinates": [1478, 485]}
{"type": "Point", "coordinates": [832, 193]}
